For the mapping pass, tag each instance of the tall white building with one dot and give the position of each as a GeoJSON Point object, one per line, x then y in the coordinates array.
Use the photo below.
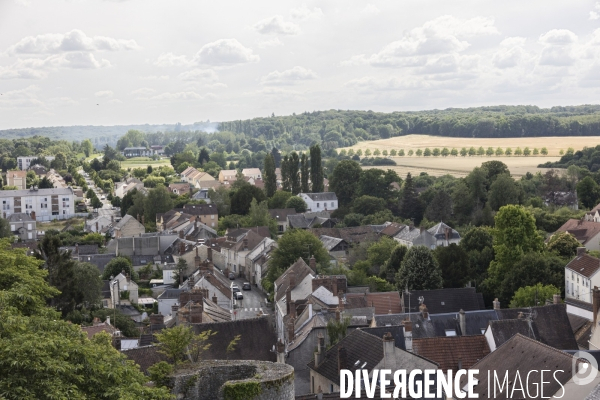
{"type": "Point", "coordinates": [25, 162]}
{"type": "Point", "coordinates": [45, 203]}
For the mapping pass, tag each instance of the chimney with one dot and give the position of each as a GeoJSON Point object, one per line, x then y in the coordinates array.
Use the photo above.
{"type": "Point", "coordinates": [388, 349]}
{"type": "Point", "coordinates": [320, 350]}
{"type": "Point", "coordinates": [245, 242]}
{"type": "Point", "coordinates": [143, 222]}
{"type": "Point", "coordinates": [214, 298]}
{"type": "Point", "coordinates": [181, 234]}
{"type": "Point", "coordinates": [556, 299]}
{"type": "Point", "coordinates": [412, 224]}
{"type": "Point", "coordinates": [32, 215]}
{"type": "Point", "coordinates": [341, 299]}
{"type": "Point", "coordinates": [337, 314]}
{"type": "Point", "coordinates": [496, 304]}
{"type": "Point", "coordinates": [595, 302]}
{"type": "Point", "coordinates": [107, 320]}
{"type": "Point", "coordinates": [138, 217]}
{"type": "Point", "coordinates": [293, 309]}
{"type": "Point", "coordinates": [209, 254]}
{"type": "Point", "coordinates": [77, 248]}
{"type": "Point", "coordinates": [581, 251]}
{"type": "Point", "coordinates": [421, 229]}
{"type": "Point", "coordinates": [181, 247]}
{"type": "Point", "coordinates": [97, 227]}
{"type": "Point", "coordinates": [157, 319]}
{"type": "Point", "coordinates": [334, 288]}
{"type": "Point", "coordinates": [342, 359]}
{"type": "Point", "coordinates": [288, 299]}
{"type": "Point", "coordinates": [408, 334]}
{"type": "Point", "coordinates": [462, 321]}
{"type": "Point", "coordinates": [424, 311]}
{"type": "Point", "coordinates": [313, 264]}
{"type": "Point", "coordinates": [292, 279]}
{"type": "Point", "coordinates": [447, 232]}
{"type": "Point", "coordinates": [174, 309]}
{"type": "Point", "coordinates": [291, 330]}
{"type": "Point", "coordinates": [96, 321]}
{"type": "Point", "coordinates": [280, 352]}
{"type": "Point", "coordinates": [112, 219]}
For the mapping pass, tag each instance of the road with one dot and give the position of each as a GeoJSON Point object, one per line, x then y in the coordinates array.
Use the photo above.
{"type": "Point", "coordinates": [253, 303]}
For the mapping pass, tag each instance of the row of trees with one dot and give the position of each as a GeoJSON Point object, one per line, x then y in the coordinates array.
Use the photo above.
{"type": "Point", "coordinates": [445, 152]}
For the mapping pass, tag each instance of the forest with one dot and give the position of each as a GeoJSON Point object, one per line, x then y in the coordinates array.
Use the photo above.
{"type": "Point", "coordinates": [341, 128]}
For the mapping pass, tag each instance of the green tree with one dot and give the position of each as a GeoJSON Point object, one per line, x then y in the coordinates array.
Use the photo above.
{"type": "Point", "coordinates": [220, 198]}
{"type": "Point", "coordinates": [436, 152]}
{"type": "Point", "coordinates": [174, 342]}
{"type": "Point", "coordinates": [508, 151]}
{"type": "Point", "coordinates": [464, 152]}
{"type": "Point", "coordinates": [526, 151]}
{"type": "Point", "coordinates": [242, 198]}
{"type": "Point", "coordinates": [116, 266]}
{"type": "Point", "coordinates": [376, 182]}
{"type": "Point", "coordinates": [305, 174]}
{"type": "Point", "coordinates": [489, 152]}
{"type": "Point", "coordinates": [518, 151]}
{"type": "Point", "coordinates": [296, 203]}
{"type": "Point", "coordinates": [392, 265]}
{"type": "Point", "coordinates": [316, 169]}
{"type": "Point", "coordinates": [563, 244]}
{"type": "Point", "coordinates": [157, 201]}
{"type": "Point", "coordinates": [258, 215]}
{"type": "Point", "coordinates": [270, 176]}
{"type": "Point", "coordinates": [472, 151]}
{"type": "Point", "coordinates": [5, 231]}
{"type": "Point", "coordinates": [453, 261]}
{"type": "Point", "coordinates": [478, 243]}
{"type": "Point", "coordinates": [379, 253]}
{"type": "Point", "coordinates": [446, 152]}
{"type": "Point", "coordinates": [418, 153]}
{"type": "Point", "coordinates": [480, 151]}
{"type": "Point", "coordinates": [410, 206]}
{"type": "Point", "coordinates": [499, 151]}
{"type": "Point", "coordinates": [43, 357]}
{"type": "Point", "coordinates": [536, 152]}
{"type": "Point", "coordinates": [427, 152]}
{"type": "Point", "coordinates": [531, 296]}
{"type": "Point", "coordinates": [515, 235]}
{"type": "Point", "coordinates": [292, 245]}
{"type": "Point", "coordinates": [279, 199]}
{"type": "Point", "coordinates": [87, 147]}
{"type": "Point", "coordinates": [294, 173]}
{"type": "Point", "coordinates": [337, 330]}
{"type": "Point", "coordinates": [503, 191]}
{"type": "Point", "coordinates": [410, 152]}
{"type": "Point", "coordinates": [440, 207]}
{"type": "Point", "coordinates": [588, 192]}
{"type": "Point", "coordinates": [203, 156]}
{"type": "Point", "coordinates": [93, 238]}
{"type": "Point", "coordinates": [343, 181]}
{"type": "Point", "coordinates": [419, 270]}
{"type": "Point", "coordinates": [377, 153]}
{"type": "Point", "coordinates": [367, 205]}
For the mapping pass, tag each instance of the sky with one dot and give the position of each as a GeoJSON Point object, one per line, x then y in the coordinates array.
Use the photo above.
{"type": "Point", "coordinates": [115, 62]}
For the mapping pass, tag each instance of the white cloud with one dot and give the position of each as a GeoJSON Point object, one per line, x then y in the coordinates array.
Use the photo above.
{"type": "Point", "coordinates": [276, 25]}
{"type": "Point", "coordinates": [595, 14]}
{"type": "Point", "coordinates": [15, 72]}
{"type": "Point", "coordinates": [370, 9]}
{"type": "Point", "coordinates": [558, 48]}
{"type": "Point", "coordinates": [26, 97]}
{"type": "Point", "coordinates": [61, 102]}
{"type": "Point", "coordinates": [442, 35]}
{"type": "Point", "coordinates": [558, 37]}
{"type": "Point", "coordinates": [168, 96]}
{"type": "Point", "coordinates": [75, 40]}
{"type": "Point", "coordinates": [206, 75]}
{"type": "Point", "coordinates": [81, 60]}
{"type": "Point", "coordinates": [304, 13]}
{"type": "Point", "coordinates": [143, 92]}
{"type": "Point", "coordinates": [154, 77]}
{"type": "Point", "coordinates": [272, 42]}
{"type": "Point", "coordinates": [104, 94]}
{"type": "Point", "coordinates": [115, 101]}
{"type": "Point", "coordinates": [172, 60]}
{"type": "Point", "coordinates": [511, 53]}
{"type": "Point", "coordinates": [224, 52]}
{"type": "Point", "coordinates": [288, 77]}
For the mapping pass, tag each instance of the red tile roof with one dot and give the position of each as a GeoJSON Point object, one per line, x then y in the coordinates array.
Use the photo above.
{"type": "Point", "coordinates": [383, 302]}
{"type": "Point", "coordinates": [448, 351]}
{"type": "Point", "coordinates": [583, 231]}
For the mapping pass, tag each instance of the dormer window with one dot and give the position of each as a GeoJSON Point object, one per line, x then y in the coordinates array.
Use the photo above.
{"type": "Point", "coordinates": [450, 332]}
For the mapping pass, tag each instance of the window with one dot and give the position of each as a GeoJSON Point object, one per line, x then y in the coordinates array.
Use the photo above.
{"type": "Point", "coordinates": [332, 204]}
{"type": "Point", "coordinates": [279, 228]}
{"type": "Point", "coordinates": [450, 332]}
{"type": "Point", "coordinates": [29, 235]}
{"type": "Point", "coordinates": [12, 228]}
{"type": "Point", "coordinates": [212, 216]}
{"type": "Point", "coordinates": [28, 227]}
{"type": "Point", "coordinates": [482, 331]}
{"type": "Point", "coordinates": [317, 205]}
{"type": "Point", "coordinates": [331, 388]}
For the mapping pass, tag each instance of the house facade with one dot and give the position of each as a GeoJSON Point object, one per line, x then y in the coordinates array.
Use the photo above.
{"type": "Point", "coordinates": [137, 152]}
{"type": "Point", "coordinates": [23, 226]}
{"type": "Point", "coordinates": [25, 162]}
{"type": "Point", "coordinates": [581, 276]}
{"type": "Point", "coordinates": [320, 201]}
{"type": "Point", "coordinates": [252, 173]}
{"type": "Point", "coordinates": [127, 227]}
{"type": "Point", "coordinates": [17, 178]}
{"type": "Point", "coordinates": [227, 175]}
{"type": "Point", "coordinates": [46, 203]}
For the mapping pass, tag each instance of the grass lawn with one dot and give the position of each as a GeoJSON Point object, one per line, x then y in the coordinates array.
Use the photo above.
{"type": "Point", "coordinates": [59, 225]}
{"type": "Point", "coordinates": [141, 162]}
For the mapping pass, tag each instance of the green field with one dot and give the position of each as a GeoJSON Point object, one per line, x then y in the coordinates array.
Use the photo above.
{"type": "Point", "coordinates": [141, 162]}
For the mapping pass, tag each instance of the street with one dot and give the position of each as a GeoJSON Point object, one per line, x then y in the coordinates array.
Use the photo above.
{"type": "Point", "coordinates": [253, 303]}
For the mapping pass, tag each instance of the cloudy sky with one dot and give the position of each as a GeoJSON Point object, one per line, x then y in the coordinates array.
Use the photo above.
{"type": "Point", "coordinates": [109, 62]}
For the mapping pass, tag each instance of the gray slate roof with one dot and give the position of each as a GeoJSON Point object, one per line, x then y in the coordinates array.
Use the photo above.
{"type": "Point", "coordinates": [324, 196]}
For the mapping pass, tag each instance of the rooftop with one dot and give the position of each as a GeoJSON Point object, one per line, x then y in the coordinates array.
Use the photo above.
{"type": "Point", "coordinates": [451, 351]}
{"type": "Point", "coordinates": [585, 265]}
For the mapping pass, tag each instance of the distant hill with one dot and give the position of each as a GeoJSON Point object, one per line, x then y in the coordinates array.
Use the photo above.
{"type": "Point", "coordinates": [339, 128]}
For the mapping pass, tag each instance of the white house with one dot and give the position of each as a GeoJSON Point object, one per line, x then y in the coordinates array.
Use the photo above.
{"type": "Point", "coordinates": [120, 284]}
{"type": "Point", "coordinates": [46, 203]}
{"type": "Point", "coordinates": [25, 162]}
{"type": "Point", "coordinates": [320, 201]}
{"type": "Point", "coordinates": [581, 275]}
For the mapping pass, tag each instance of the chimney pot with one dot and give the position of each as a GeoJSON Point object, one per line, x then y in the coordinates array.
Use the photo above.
{"type": "Point", "coordinates": [556, 299]}
{"type": "Point", "coordinates": [462, 322]}
{"type": "Point", "coordinates": [424, 311]}
{"type": "Point", "coordinates": [313, 264]}
{"type": "Point", "coordinates": [496, 304]}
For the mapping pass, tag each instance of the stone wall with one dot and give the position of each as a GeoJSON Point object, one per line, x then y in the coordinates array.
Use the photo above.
{"type": "Point", "coordinates": [235, 380]}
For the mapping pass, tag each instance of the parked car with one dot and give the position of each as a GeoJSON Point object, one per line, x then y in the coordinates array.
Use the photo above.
{"type": "Point", "coordinates": [231, 276]}
{"type": "Point", "coordinates": [235, 288]}
{"type": "Point", "coordinates": [246, 286]}
{"type": "Point", "coordinates": [238, 296]}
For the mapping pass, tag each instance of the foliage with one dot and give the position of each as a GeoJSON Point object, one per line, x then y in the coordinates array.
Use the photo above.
{"type": "Point", "coordinates": [393, 263]}
{"type": "Point", "coordinates": [419, 270]}
{"type": "Point", "coordinates": [343, 181]}
{"type": "Point", "coordinates": [410, 206]}
{"type": "Point", "coordinates": [173, 342]}
{"type": "Point", "coordinates": [233, 344]}
{"type": "Point", "coordinates": [5, 231]}
{"type": "Point", "coordinates": [368, 205]}
{"type": "Point", "coordinates": [242, 198]}
{"type": "Point", "coordinates": [316, 169]}
{"type": "Point", "coordinates": [563, 244]}
{"type": "Point", "coordinates": [43, 357]}
{"type": "Point", "coordinates": [118, 265]}
{"type": "Point", "coordinates": [531, 296]}
{"type": "Point", "coordinates": [292, 245]}
{"type": "Point", "coordinates": [159, 373]}
{"type": "Point", "coordinates": [241, 390]}
{"type": "Point", "coordinates": [269, 175]}
{"type": "Point", "coordinates": [121, 321]}
{"type": "Point", "coordinates": [337, 330]}
{"type": "Point", "coordinates": [158, 200]}
{"type": "Point", "coordinates": [296, 203]}
{"type": "Point", "coordinates": [279, 199]}
{"type": "Point", "coordinates": [454, 263]}
{"type": "Point", "coordinates": [588, 192]}
{"type": "Point", "coordinates": [93, 238]}
{"type": "Point", "coordinates": [379, 253]}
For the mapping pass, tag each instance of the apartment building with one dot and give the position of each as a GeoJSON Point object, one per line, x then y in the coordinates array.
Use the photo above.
{"type": "Point", "coordinates": [25, 162]}
{"type": "Point", "coordinates": [46, 203]}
